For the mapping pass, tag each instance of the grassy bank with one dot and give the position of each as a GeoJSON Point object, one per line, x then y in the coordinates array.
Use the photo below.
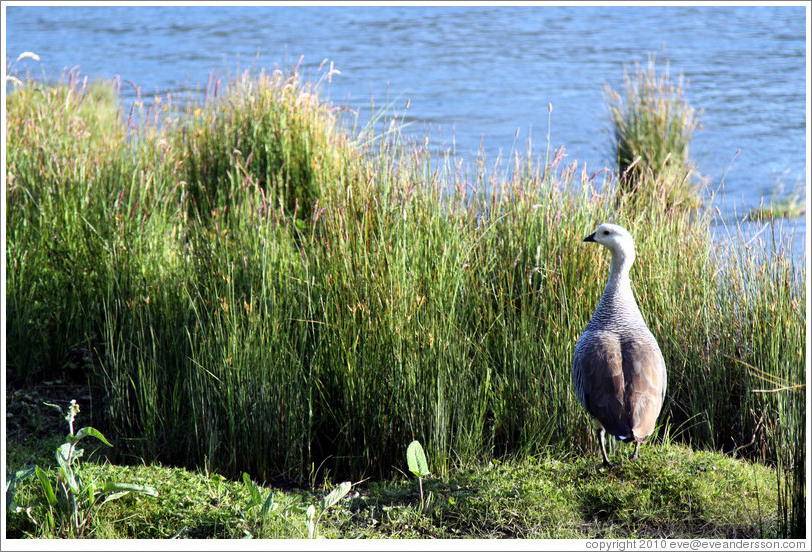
{"type": "Point", "coordinates": [673, 492]}
{"type": "Point", "coordinates": [255, 288]}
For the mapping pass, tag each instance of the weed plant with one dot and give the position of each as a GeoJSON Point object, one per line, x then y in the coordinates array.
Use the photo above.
{"type": "Point", "coordinates": [261, 290]}
{"type": "Point", "coordinates": [69, 506]}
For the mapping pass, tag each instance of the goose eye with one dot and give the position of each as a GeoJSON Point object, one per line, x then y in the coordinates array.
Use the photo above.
{"type": "Point", "coordinates": [606, 232]}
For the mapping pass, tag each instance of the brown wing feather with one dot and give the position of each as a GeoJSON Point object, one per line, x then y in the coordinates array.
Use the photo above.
{"type": "Point", "coordinates": [622, 384]}
{"type": "Point", "coordinates": [642, 369]}
{"type": "Point", "coordinates": [601, 362]}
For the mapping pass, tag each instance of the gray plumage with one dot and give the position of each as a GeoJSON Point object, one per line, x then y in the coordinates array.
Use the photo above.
{"type": "Point", "coordinates": [618, 370]}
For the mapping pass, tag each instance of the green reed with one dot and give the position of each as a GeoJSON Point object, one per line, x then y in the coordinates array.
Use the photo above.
{"type": "Point", "coordinates": [264, 291]}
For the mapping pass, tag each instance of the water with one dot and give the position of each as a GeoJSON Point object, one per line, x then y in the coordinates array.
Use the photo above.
{"type": "Point", "coordinates": [479, 77]}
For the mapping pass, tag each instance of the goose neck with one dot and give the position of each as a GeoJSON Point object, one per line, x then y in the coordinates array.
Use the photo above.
{"type": "Point", "coordinates": [620, 267]}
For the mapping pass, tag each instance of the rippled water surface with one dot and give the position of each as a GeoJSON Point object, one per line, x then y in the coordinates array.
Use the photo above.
{"type": "Point", "coordinates": [478, 76]}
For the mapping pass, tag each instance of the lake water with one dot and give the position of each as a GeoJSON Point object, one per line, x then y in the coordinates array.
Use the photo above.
{"type": "Point", "coordinates": [479, 76]}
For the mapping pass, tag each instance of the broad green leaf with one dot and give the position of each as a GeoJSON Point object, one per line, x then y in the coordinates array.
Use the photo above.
{"type": "Point", "coordinates": [88, 431]}
{"type": "Point", "coordinates": [337, 494]}
{"type": "Point", "coordinates": [47, 488]}
{"type": "Point", "coordinates": [129, 488]}
{"type": "Point", "coordinates": [416, 458]}
{"type": "Point", "coordinates": [268, 505]}
{"type": "Point", "coordinates": [114, 496]}
{"type": "Point", "coordinates": [11, 486]}
{"type": "Point", "coordinates": [66, 474]}
{"type": "Point", "coordinates": [253, 490]}
{"type": "Point", "coordinates": [19, 475]}
{"type": "Point", "coordinates": [66, 454]}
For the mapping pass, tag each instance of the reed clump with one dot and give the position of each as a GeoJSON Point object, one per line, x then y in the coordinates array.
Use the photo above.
{"type": "Point", "coordinates": [259, 289]}
{"type": "Point", "coordinates": [266, 130]}
{"type": "Point", "coordinates": [653, 125]}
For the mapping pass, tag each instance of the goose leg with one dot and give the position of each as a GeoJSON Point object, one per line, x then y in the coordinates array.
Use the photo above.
{"type": "Point", "coordinates": [602, 439]}
{"type": "Point", "coordinates": [635, 456]}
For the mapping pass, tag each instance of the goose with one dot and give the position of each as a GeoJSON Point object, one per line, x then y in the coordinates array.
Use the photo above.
{"type": "Point", "coordinates": [618, 369]}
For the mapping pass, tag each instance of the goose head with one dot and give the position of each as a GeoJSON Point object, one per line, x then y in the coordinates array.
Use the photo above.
{"type": "Point", "coordinates": [617, 240]}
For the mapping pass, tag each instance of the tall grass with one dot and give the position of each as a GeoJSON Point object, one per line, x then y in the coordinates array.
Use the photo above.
{"type": "Point", "coordinates": [64, 174]}
{"type": "Point", "coordinates": [263, 290]}
{"type": "Point", "coordinates": [768, 328]}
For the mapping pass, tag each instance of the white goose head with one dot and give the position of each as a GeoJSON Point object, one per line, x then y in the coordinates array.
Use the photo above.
{"type": "Point", "coordinates": [617, 240]}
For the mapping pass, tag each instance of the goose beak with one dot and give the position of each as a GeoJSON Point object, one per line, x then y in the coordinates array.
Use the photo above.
{"type": "Point", "coordinates": [590, 238]}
